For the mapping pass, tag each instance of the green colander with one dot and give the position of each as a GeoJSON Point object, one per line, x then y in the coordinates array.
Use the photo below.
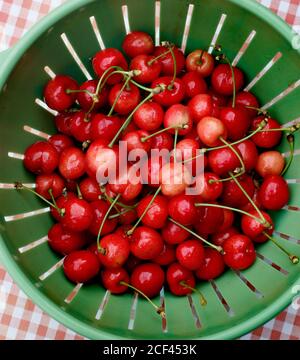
{"type": "Point", "coordinates": [254, 38]}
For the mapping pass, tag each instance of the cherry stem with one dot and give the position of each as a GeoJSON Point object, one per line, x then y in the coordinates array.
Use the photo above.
{"type": "Point", "coordinates": [294, 259]}
{"type": "Point", "coordinates": [218, 248]}
{"type": "Point", "coordinates": [141, 86]}
{"type": "Point", "coordinates": [259, 110]}
{"type": "Point", "coordinates": [130, 232]}
{"type": "Point", "coordinates": [101, 250]}
{"type": "Point", "coordinates": [53, 200]}
{"type": "Point", "coordinates": [158, 309]}
{"type": "Point", "coordinates": [175, 143]}
{"type": "Point", "coordinates": [119, 214]}
{"type": "Point", "coordinates": [291, 141]}
{"type": "Point", "coordinates": [225, 58]}
{"type": "Point", "coordinates": [170, 87]}
{"type": "Point", "coordinates": [79, 192]}
{"type": "Point", "coordinates": [70, 91]}
{"type": "Point", "coordinates": [158, 57]}
{"type": "Point", "coordinates": [203, 300]}
{"type": "Point", "coordinates": [200, 62]}
{"type": "Point", "coordinates": [119, 95]}
{"type": "Point", "coordinates": [145, 138]}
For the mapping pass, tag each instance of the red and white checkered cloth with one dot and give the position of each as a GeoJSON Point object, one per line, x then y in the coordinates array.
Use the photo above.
{"type": "Point", "coordinates": [19, 317]}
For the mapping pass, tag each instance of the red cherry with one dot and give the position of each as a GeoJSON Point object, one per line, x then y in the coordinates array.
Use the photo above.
{"type": "Point", "coordinates": [72, 163]}
{"type": "Point", "coordinates": [116, 251]}
{"type": "Point", "coordinates": [104, 127]}
{"type": "Point", "coordinates": [111, 279]}
{"type": "Point", "coordinates": [149, 67]}
{"type": "Point", "coordinates": [134, 140]}
{"type": "Point", "coordinates": [148, 278]}
{"type": "Point", "coordinates": [187, 149]}
{"type": "Point", "coordinates": [221, 236]}
{"type": "Point", "coordinates": [99, 210]}
{"type": "Point", "coordinates": [228, 219]}
{"type": "Point", "coordinates": [137, 43]}
{"type": "Point", "coordinates": [60, 202]}
{"type": "Point", "coordinates": [62, 123]}
{"type": "Point", "coordinates": [86, 101]}
{"type": "Point", "coordinates": [166, 257]}
{"type": "Point", "coordinates": [80, 126]}
{"type": "Point", "coordinates": [274, 192]}
{"type": "Point", "coordinates": [177, 276]}
{"type": "Point", "coordinates": [249, 154]}
{"type": "Point", "coordinates": [255, 199]}
{"type": "Point", "coordinates": [266, 139]}
{"type": "Point", "coordinates": [182, 209]}
{"type": "Point", "coordinates": [233, 196]}
{"type": "Point", "coordinates": [211, 188]}
{"type": "Point", "coordinates": [56, 95]}
{"type": "Point", "coordinates": [237, 122]}
{"type": "Point", "coordinates": [132, 262]}
{"type": "Point", "coordinates": [90, 189]}
{"type": "Point", "coordinates": [201, 106]}
{"type": "Point", "coordinates": [157, 214]}
{"type": "Point", "coordinates": [174, 234]}
{"type": "Point", "coordinates": [213, 265]}
{"type": "Point", "coordinates": [162, 141]}
{"type": "Point", "coordinates": [81, 266]}
{"type": "Point", "coordinates": [65, 242]}
{"type": "Point", "coordinates": [149, 116]}
{"type": "Point", "coordinates": [190, 254]}
{"type": "Point", "coordinates": [239, 252]}
{"type": "Point", "coordinates": [223, 160]}
{"type": "Point", "coordinates": [254, 229]}
{"type": "Point", "coordinates": [151, 171]}
{"type": "Point", "coordinates": [270, 163]}
{"type": "Point", "coordinates": [210, 130]}
{"type": "Point", "coordinates": [172, 94]}
{"type": "Point", "coordinates": [107, 58]}
{"type": "Point", "coordinates": [60, 142]}
{"type": "Point", "coordinates": [210, 219]}
{"type": "Point", "coordinates": [77, 216]}
{"type": "Point", "coordinates": [194, 84]}
{"type": "Point", "coordinates": [201, 62]}
{"type": "Point", "coordinates": [174, 179]}
{"type": "Point", "coordinates": [167, 61]}
{"type": "Point", "coordinates": [219, 100]}
{"type": "Point", "coordinates": [146, 243]}
{"type": "Point", "coordinates": [245, 99]}
{"type": "Point", "coordinates": [128, 217]}
{"type": "Point", "coordinates": [179, 117]}
{"type": "Point", "coordinates": [222, 81]}
{"type": "Point", "coordinates": [41, 158]}
{"type": "Point", "coordinates": [45, 183]}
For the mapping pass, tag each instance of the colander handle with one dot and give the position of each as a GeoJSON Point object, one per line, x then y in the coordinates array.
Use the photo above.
{"type": "Point", "coordinates": [3, 56]}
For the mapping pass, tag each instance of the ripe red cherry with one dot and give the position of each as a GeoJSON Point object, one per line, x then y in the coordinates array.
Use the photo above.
{"type": "Point", "coordinates": [201, 106]}
{"type": "Point", "coordinates": [111, 279]}
{"type": "Point", "coordinates": [177, 276]}
{"type": "Point", "coordinates": [194, 84]}
{"type": "Point", "coordinates": [236, 120]}
{"type": "Point", "coordinates": [116, 251]}
{"type": "Point", "coordinates": [107, 58]}
{"type": "Point", "coordinates": [274, 192]}
{"type": "Point", "coordinates": [80, 126]}
{"type": "Point", "coordinates": [151, 171]}
{"type": "Point", "coordinates": [72, 163]}
{"type": "Point", "coordinates": [212, 266]}
{"type": "Point", "coordinates": [149, 67]}
{"type": "Point", "coordinates": [45, 183]}
{"type": "Point", "coordinates": [77, 216]}
{"type": "Point", "coordinates": [60, 142]}
{"type": "Point", "coordinates": [157, 214]}
{"type": "Point", "coordinates": [99, 209]}
{"type": "Point", "coordinates": [41, 158]}
{"type": "Point", "coordinates": [104, 127]}
{"type": "Point", "coordinates": [172, 94]}
{"type": "Point", "coordinates": [222, 81]}
{"type": "Point", "coordinates": [127, 217]}
{"type": "Point", "coordinates": [174, 179]}
{"type": "Point", "coordinates": [190, 254]}
{"type": "Point", "coordinates": [90, 189]}
{"type": "Point", "coordinates": [249, 154]}
{"type": "Point", "coordinates": [174, 234]}
{"type": "Point", "coordinates": [222, 161]}
{"type": "Point", "coordinates": [210, 130]}
{"type": "Point", "coordinates": [128, 99]}
{"type": "Point", "coordinates": [254, 229]}
{"type": "Point", "coordinates": [239, 252]}
{"type": "Point", "coordinates": [270, 163]}
{"type": "Point", "coordinates": [255, 199]}
{"type": "Point", "coordinates": [220, 237]}
{"type": "Point", "coordinates": [167, 61]}
{"type": "Point", "coordinates": [146, 243]}
{"type": "Point", "coordinates": [228, 219]}
{"type": "Point", "coordinates": [60, 202]}
{"type": "Point", "coordinates": [137, 43]}
{"type": "Point", "coordinates": [62, 123]}
{"type": "Point", "coordinates": [178, 116]}
{"type": "Point", "coordinates": [266, 139]}
{"type": "Point", "coordinates": [211, 188]}
{"type": "Point", "coordinates": [149, 116]}
{"type": "Point", "coordinates": [63, 241]}
{"type": "Point", "coordinates": [187, 149]}
{"type": "Point", "coordinates": [81, 266]}
{"type": "Point", "coordinates": [86, 101]}
{"type": "Point", "coordinates": [201, 62]}
{"type": "Point", "coordinates": [166, 257]}
{"type": "Point", "coordinates": [135, 142]}
{"type": "Point", "coordinates": [245, 99]}
{"type": "Point", "coordinates": [182, 209]}
{"type": "Point", "coordinates": [56, 95]}
{"type": "Point", "coordinates": [233, 196]}
{"type": "Point", "coordinates": [148, 278]}
{"type": "Point", "coordinates": [162, 141]}
{"type": "Point", "coordinates": [210, 219]}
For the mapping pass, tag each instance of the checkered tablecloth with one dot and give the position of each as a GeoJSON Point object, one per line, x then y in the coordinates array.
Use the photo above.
{"type": "Point", "coordinates": [19, 317]}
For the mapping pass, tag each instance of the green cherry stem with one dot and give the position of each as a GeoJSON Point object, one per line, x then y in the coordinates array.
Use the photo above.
{"type": "Point", "coordinates": [294, 259]}
{"type": "Point", "coordinates": [170, 87]}
{"type": "Point", "coordinates": [291, 141]}
{"type": "Point", "coordinates": [119, 95]}
{"type": "Point", "coordinates": [158, 57]}
{"type": "Point", "coordinates": [175, 143]}
{"type": "Point", "coordinates": [79, 192]}
{"type": "Point", "coordinates": [225, 58]}
{"type": "Point", "coordinates": [203, 300]}
{"type": "Point", "coordinates": [145, 138]}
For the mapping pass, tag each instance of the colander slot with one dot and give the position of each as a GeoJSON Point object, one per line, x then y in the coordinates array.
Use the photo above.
{"type": "Point", "coordinates": [36, 132]}
{"type": "Point", "coordinates": [263, 72]}
{"type": "Point", "coordinates": [163, 306]}
{"type": "Point", "coordinates": [272, 264]}
{"type": "Point", "coordinates": [157, 23]}
{"type": "Point", "coordinates": [291, 123]}
{"type": "Point", "coordinates": [194, 311]}
{"type": "Point", "coordinates": [288, 237]}
{"type": "Point", "coordinates": [244, 48]}
{"type": "Point", "coordinates": [26, 214]}
{"type": "Point", "coordinates": [217, 33]}
{"type": "Point", "coordinates": [225, 304]}
{"type": "Point", "coordinates": [291, 208]}
{"type": "Point", "coordinates": [73, 293]}
{"type": "Point", "coordinates": [187, 27]}
{"type": "Point", "coordinates": [288, 153]}
{"type": "Point", "coordinates": [12, 186]}
{"type": "Point", "coordinates": [102, 305]}
{"type": "Point", "coordinates": [75, 56]}
{"type": "Point", "coordinates": [33, 244]}
{"type": "Point", "coordinates": [97, 32]}
{"type": "Point", "coordinates": [126, 18]}
{"type": "Point", "coordinates": [293, 181]}
{"type": "Point", "coordinates": [14, 155]}
{"type": "Point", "coordinates": [44, 106]}
{"type": "Point", "coordinates": [49, 72]}
{"type": "Point", "coordinates": [250, 286]}
{"type": "Point", "coordinates": [50, 271]}
{"type": "Point", "coordinates": [132, 314]}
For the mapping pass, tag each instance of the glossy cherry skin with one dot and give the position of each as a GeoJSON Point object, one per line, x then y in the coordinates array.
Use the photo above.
{"type": "Point", "coordinates": [63, 241]}
{"type": "Point", "coordinates": [190, 254]}
{"type": "Point", "coordinates": [104, 127]}
{"type": "Point", "coordinates": [137, 43]}
{"type": "Point", "coordinates": [41, 158]}
{"type": "Point", "coordinates": [249, 154]}
{"type": "Point", "coordinates": [149, 116]}
{"type": "Point", "coordinates": [213, 265]}
{"type": "Point", "coordinates": [255, 229]}
{"type": "Point", "coordinates": [201, 62]}
{"type": "Point", "coordinates": [228, 219]}
{"type": "Point", "coordinates": [169, 96]}
{"type": "Point", "coordinates": [222, 81]}
{"type": "Point", "coordinates": [236, 120]}
{"type": "Point", "coordinates": [173, 234]}
{"type": "Point", "coordinates": [248, 206]}
{"type": "Point", "coordinates": [194, 84]}
{"type": "Point", "coordinates": [220, 237]}
{"type": "Point", "coordinates": [266, 139]}
{"type": "Point", "coordinates": [107, 58]}
{"type": "Point", "coordinates": [60, 142]}
{"type": "Point", "coordinates": [233, 196]}
{"type": "Point", "coordinates": [62, 123]}
{"type": "Point", "coordinates": [162, 141]}
{"type": "Point", "coordinates": [111, 279]}
{"type": "Point", "coordinates": [222, 161]}
{"type": "Point", "coordinates": [90, 189]}
{"type": "Point", "coordinates": [239, 252]}
{"type": "Point", "coordinates": [86, 101]}
{"type": "Point", "coordinates": [245, 99]}
{"type": "Point", "coordinates": [210, 191]}
{"type": "Point", "coordinates": [78, 215]}
{"type": "Point", "coordinates": [128, 217]}
{"type": "Point", "coordinates": [166, 257]}
{"type": "Point", "coordinates": [210, 130]}
{"type": "Point", "coordinates": [274, 192]}
{"type": "Point", "coordinates": [200, 105]}
{"type": "Point", "coordinates": [134, 141]}
{"type": "Point", "coordinates": [146, 243]}
{"type": "Point", "coordinates": [167, 61]}
{"type": "Point", "coordinates": [148, 278]}
{"type": "Point", "coordinates": [55, 92]}
{"type": "Point", "coordinates": [99, 210]}
{"type": "Point", "coordinates": [176, 274]}
{"type": "Point", "coordinates": [210, 219]}
{"type": "Point", "coordinates": [149, 67]}
{"type": "Point", "coordinates": [72, 163]}
{"type": "Point", "coordinates": [128, 99]}
{"type": "Point", "coordinates": [182, 209]}
{"type": "Point", "coordinates": [174, 179]}
{"type": "Point", "coordinates": [116, 251]}
{"type": "Point", "coordinates": [80, 126]}
{"type": "Point", "coordinates": [187, 149]}
{"type": "Point", "coordinates": [178, 116]}
{"type": "Point", "coordinates": [157, 214]}
{"type": "Point", "coordinates": [81, 266]}
{"type": "Point", "coordinates": [270, 163]}
{"type": "Point", "coordinates": [60, 202]}
{"type": "Point", "coordinates": [52, 182]}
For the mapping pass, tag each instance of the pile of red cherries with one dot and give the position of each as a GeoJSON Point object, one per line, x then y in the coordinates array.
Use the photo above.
{"type": "Point", "coordinates": [146, 236]}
